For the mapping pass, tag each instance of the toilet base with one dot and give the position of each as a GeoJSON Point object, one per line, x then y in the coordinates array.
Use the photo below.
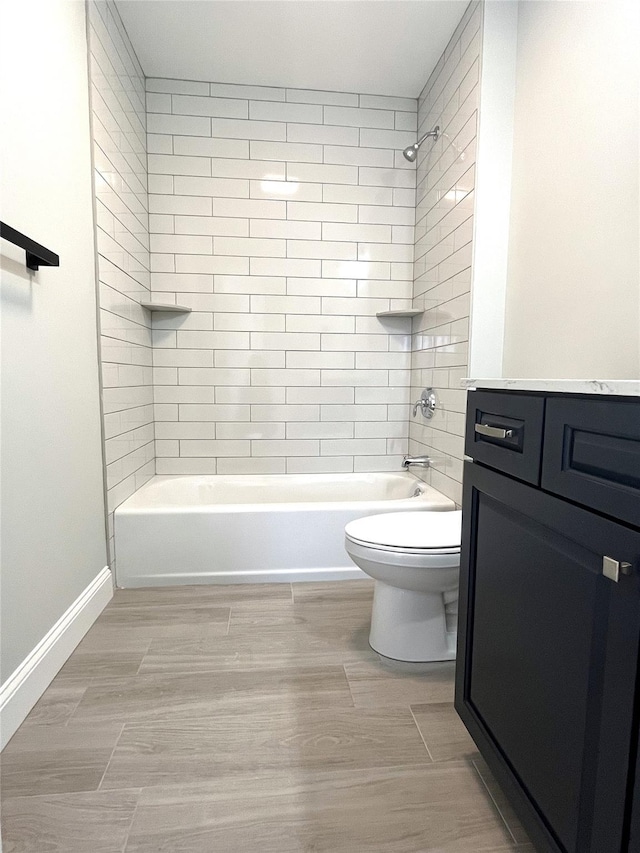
{"type": "Point", "coordinates": [410, 626]}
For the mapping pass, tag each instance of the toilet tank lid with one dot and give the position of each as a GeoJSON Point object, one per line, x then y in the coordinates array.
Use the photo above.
{"type": "Point", "coordinates": [420, 530]}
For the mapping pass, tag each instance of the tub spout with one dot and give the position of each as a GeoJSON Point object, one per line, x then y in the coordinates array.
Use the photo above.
{"type": "Point", "coordinates": [422, 461]}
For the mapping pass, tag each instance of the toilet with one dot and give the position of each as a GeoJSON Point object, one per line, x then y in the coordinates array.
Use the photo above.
{"type": "Point", "coordinates": [414, 558]}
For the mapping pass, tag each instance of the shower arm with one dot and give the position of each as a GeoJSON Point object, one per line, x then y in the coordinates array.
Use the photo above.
{"type": "Point", "coordinates": [411, 151]}
{"type": "Point", "coordinates": [435, 133]}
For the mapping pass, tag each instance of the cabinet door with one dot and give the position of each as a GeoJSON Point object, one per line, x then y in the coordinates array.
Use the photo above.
{"type": "Point", "coordinates": [634, 831]}
{"type": "Point", "coordinates": [547, 659]}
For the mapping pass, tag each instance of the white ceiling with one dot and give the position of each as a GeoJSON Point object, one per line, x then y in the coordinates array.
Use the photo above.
{"type": "Point", "coordinates": [381, 47]}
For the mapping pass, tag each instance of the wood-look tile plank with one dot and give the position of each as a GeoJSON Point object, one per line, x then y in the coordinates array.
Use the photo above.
{"type": "Point", "coordinates": [186, 752]}
{"type": "Point", "coordinates": [374, 685]}
{"type": "Point", "coordinates": [205, 695]}
{"type": "Point", "coordinates": [57, 759]}
{"type": "Point", "coordinates": [106, 663]}
{"type": "Point", "coordinates": [57, 703]}
{"type": "Point", "coordinates": [118, 641]}
{"type": "Point", "coordinates": [440, 808]}
{"type": "Point", "coordinates": [338, 591]}
{"type": "Point", "coordinates": [330, 619]}
{"type": "Point", "coordinates": [249, 618]}
{"type": "Point", "coordinates": [255, 651]}
{"type": "Point", "coordinates": [95, 822]}
{"type": "Point", "coordinates": [443, 732]}
{"type": "Point", "coordinates": [167, 620]}
{"type": "Point", "coordinates": [215, 595]}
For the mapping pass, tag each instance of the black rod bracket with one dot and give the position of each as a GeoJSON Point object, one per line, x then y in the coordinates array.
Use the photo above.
{"type": "Point", "coordinates": [37, 255]}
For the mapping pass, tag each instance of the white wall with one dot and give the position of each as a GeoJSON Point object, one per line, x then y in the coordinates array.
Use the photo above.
{"type": "Point", "coordinates": [573, 293]}
{"type": "Point", "coordinates": [53, 531]}
{"type": "Point", "coordinates": [120, 160]}
{"type": "Point", "coordinates": [284, 219]}
{"type": "Point", "coordinates": [493, 187]}
{"type": "Point", "coordinates": [443, 251]}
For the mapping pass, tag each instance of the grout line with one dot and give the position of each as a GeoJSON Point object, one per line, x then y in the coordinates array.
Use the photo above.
{"type": "Point", "coordinates": [70, 717]}
{"type": "Point", "coordinates": [349, 686]}
{"type": "Point", "coordinates": [146, 652]}
{"type": "Point", "coordinates": [421, 735]}
{"type": "Point", "coordinates": [133, 817]}
{"type": "Point", "coordinates": [115, 746]}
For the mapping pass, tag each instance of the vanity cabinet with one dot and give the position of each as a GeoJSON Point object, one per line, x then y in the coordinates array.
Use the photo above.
{"type": "Point", "coordinates": [549, 625]}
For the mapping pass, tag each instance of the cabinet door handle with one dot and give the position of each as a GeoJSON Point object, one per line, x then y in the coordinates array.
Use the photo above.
{"type": "Point", "coordinates": [612, 569]}
{"type": "Point", "coordinates": [493, 432]}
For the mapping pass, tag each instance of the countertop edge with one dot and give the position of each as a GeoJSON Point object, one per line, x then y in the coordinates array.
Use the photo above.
{"type": "Point", "coordinates": [614, 387]}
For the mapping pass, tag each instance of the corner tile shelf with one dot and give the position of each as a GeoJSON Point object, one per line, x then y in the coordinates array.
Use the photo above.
{"type": "Point", "coordinates": [166, 307]}
{"type": "Point", "coordinates": [408, 312]}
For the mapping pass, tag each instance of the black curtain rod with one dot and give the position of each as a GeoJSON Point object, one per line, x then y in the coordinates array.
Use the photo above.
{"type": "Point", "coordinates": [37, 255]}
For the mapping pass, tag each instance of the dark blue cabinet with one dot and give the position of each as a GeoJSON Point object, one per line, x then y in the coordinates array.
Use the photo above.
{"type": "Point", "coordinates": [548, 650]}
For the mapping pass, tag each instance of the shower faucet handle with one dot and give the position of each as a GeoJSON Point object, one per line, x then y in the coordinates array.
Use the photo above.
{"type": "Point", "coordinates": [426, 403]}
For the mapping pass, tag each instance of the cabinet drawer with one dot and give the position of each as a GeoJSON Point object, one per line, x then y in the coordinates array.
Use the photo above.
{"type": "Point", "coordinates": [592, 454]}
{"type": "Point", "coordinates": [504, 431]}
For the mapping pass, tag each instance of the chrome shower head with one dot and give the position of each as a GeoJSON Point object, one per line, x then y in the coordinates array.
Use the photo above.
{"type": "Point", "coordinates": [411, 152]}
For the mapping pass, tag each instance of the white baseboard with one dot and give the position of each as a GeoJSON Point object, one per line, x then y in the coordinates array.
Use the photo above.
{"type": "Point", "coordinates": [333, 573]}
{"type": "Point", "coordinates": [26, 685]}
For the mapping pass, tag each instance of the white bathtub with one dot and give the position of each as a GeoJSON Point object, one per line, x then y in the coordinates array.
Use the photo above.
{"type": "Point", "coordinates": [248, 529]}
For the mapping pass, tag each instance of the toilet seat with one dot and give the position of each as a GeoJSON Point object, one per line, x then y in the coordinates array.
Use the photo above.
{"type": "Point", "coordinates": [408, 532]}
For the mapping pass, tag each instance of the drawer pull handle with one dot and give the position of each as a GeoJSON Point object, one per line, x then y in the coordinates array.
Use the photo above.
{"type": "Point", "coordinates": [612, 569]}
{"type": "Point", "coordinates": [493, 432]}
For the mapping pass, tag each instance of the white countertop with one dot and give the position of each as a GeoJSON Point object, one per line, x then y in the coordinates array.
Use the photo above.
{"type": "Point", "coordinates": [621, 387]}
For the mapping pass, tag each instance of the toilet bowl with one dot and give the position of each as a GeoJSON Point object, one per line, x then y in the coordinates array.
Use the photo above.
{"type": "Point", "coordinates": [414, 558]}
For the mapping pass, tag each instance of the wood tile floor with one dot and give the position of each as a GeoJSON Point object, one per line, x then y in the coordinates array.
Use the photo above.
{"type": "Point", "coordinates": [234, 719]}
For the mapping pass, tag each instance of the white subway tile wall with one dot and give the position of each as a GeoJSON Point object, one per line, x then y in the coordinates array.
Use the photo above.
{"type": "Point", "coordinates": [443, 244]}
{"type": "Point", "coordinates": [120, 155]}
{"type": "Point", "coordinates": [285, 220]}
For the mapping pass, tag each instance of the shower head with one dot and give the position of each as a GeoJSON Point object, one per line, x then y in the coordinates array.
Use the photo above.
{"type": "Point", "coordinates": [412, 151]}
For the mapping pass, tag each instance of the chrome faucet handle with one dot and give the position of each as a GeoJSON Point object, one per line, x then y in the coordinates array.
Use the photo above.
{"type": "Point", "coordinates": [426, 403]}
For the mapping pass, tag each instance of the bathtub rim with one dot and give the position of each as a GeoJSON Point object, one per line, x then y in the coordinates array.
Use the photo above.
{"type": "Point", "coordinates": [302, 507]}
{"type": "Point", "coordinates": [432, 499]}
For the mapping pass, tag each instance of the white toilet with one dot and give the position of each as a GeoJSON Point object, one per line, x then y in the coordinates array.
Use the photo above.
{"type": "Point", "coordinates": [414, 558]}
